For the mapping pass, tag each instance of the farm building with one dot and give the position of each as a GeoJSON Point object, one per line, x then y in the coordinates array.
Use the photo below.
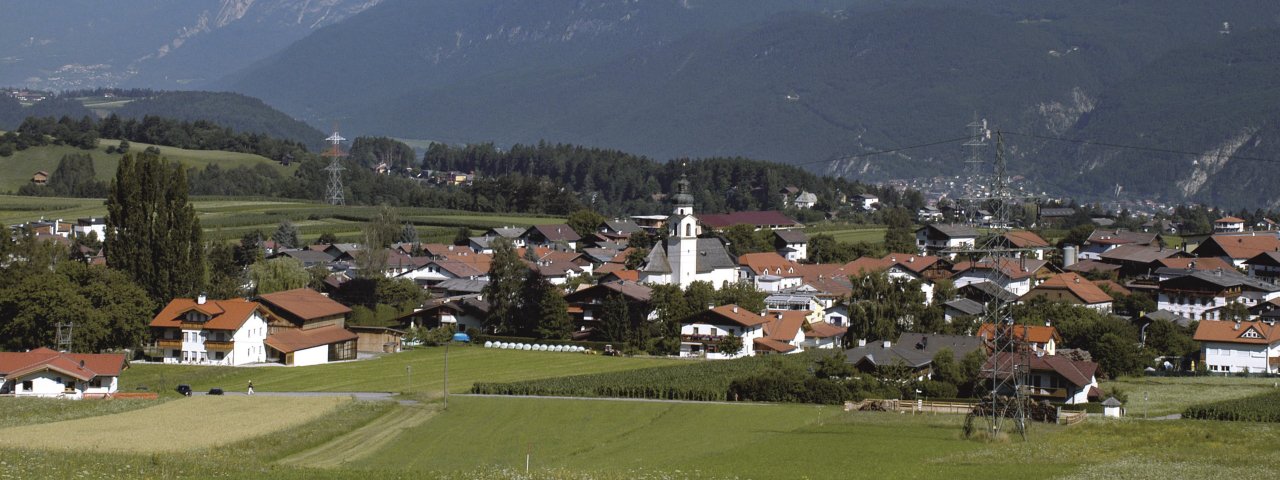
{"type": "Point", "coordinates": [47, 373]}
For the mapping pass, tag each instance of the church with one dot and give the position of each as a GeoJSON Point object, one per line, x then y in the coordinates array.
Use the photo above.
{"type": "Point", "coordinates": [684, 258]}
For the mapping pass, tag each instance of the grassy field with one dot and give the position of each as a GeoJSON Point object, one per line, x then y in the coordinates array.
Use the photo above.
{"type": "Point", "coordinates": [29, 411]}
{"type": "Point", "coordinates": [211, 421]}
{"type": "Point", "coordinates": [15, 171]}
{"type": "Point", "coordinates": [1169, 395]}
{"type": "Point", "coordinates": [392, 373]}
{"type": "Point", "coordinates": [851, 234]}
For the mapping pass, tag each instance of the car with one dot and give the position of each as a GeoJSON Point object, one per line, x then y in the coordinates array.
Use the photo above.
{"type": "Point", "coordinates": [184, 389]}
{"type": "Point", "coordinates": [215, 391]}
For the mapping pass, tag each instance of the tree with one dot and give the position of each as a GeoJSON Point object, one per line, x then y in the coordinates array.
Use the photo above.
{"type": "Point", "coordinates": [286, 235]}
{"type": "Point", "coordinates": [408, 234]}
{"type": "Point", "coordinates": [585, 221]}
{"type": "Point", "coordinates": [225, 276]}
{"type": "Point", "coordinates": [506, 281]}
{"type": "Point", "coordinates": [327, 238]}
{"type": "Point", "coordinates": [742, 294]}
{"type": "Point", "coordinates": [400, 293]}
{"type": "Point", "coordinates": [462, 236]}
{"type": "Point", "coordinates": [900, 237]}
{"type": "Point", "coordinates": [1118, 356]}
{"type": "Point", "coordinates": [278, 274]}
{"type": "Point", "coordinates": [109, 311]}
{"type": "Point", "coordinates": [553, 320]}
{"type": "Point", "coordinates": [668, 301]}
{"type": "Point", "coordinates": [971, 373]}
{"type": "Point", "coordinates": [152, 231]}
{"type": "Point", "coordinates": [249, 251]}
{"type": "Point", "coordinates": [946, 368]}
{"type": "Point", "coordinates": [615, 318]}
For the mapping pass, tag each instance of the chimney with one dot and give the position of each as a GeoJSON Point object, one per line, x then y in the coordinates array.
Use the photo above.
{"type": "Point", "coordinates": [862, 342]}
{"type": "Point", "coordinates": [887, 344]}
{"type": "Point", "coordinates": [735, 309]}
{"type": "Point", "coordinates": [1237, 327]}
{"type": "Point", "coordinates": [200, 299]}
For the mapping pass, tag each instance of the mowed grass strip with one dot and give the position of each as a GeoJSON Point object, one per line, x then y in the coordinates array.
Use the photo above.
{"type": "Point", "coordinates": [1170, 395]}
{"type": "Point", "coordinates": [420, 371]}
{"type": "Point", "coordinates": [27, 411]}
{"type": "Point", "coordinates": [201, 422]}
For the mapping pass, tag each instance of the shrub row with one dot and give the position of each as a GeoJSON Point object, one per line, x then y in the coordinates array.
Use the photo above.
{"type": "Point", "coordinates": [1263, 407]}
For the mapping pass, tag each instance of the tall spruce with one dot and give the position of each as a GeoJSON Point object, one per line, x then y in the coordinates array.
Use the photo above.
{"type": "Point", "coordinates": [152, 231]}
{"type": "Point", "coordinates": [553, 311]}
{"type": "Point", "coordinates": [615, 318]}
{"type": "Point", "coordinates": [503, 292]}
{"type": "Point", "coordinates": [286, 235]}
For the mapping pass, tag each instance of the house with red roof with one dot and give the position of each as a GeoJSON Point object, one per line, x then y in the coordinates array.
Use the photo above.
{"type": "Point", "coordinates": [704, 334]}
{"type": "Point", "coordinates": [48, 373]}
{"type": "Point", "coordinates": [307, 328]}
{"type": "Point", "coordinates": [1040, 339]}
{"type": "Point", "coordinates": [210, 332]}
{"type": "Point", "coordinates": [771, 219]}
{"type": "Point", "coordinates": [1071, 288]}
{"type": "Point", "coordinates": [1014, 275]}
{"type": "Point", "coordinates": [1228, 224]}
{"type": "Point", "coordinates": [1231, 347]}
{"type": "Point", "coordinates": [1237, 248]}
{"type": "Point", "coordinates": [1030, 244]}
{"type": "Point", "coordinates": [1052, 377]}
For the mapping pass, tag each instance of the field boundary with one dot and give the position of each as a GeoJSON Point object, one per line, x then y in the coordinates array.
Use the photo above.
{"type": "Point", "coordinates": [364, 441]}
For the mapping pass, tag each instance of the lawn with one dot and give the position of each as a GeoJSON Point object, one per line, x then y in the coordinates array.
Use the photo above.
{"type": "Point", "coordinates": [1169, 395]}
{"type": "Point", "coordinates": [199, 422]}
{"type": "Point", "coordinates": [390, 373]}
{"type": "Point", "coordinates": [851, 234]}
{"type": "Point", "coordinates": [29, 411]}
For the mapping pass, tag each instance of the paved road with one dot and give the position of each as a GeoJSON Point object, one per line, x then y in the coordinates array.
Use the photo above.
{"type": "Point", "coordinates": [361, 396]}
{"type": "Point", "coordinates": [607, 399]}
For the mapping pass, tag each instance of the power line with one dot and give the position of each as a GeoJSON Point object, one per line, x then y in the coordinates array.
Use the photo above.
{"type": "Point", "coordinates": [1136, 147]}
{"type": "Point", "coordinates": [892, 150]}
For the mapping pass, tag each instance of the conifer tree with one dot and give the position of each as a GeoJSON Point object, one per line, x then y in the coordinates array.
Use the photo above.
{"type": "Point", "coordinates": [503, 292]}
{"type": "Point", "coordinates": [615, 319]}
{"type": "Point", "coordinates": [286, 235]}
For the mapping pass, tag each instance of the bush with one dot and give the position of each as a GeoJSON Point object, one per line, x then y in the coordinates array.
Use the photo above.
{"type": "Point", "coordinates": [934, 389]}
{"type": "Point", "coordinates": [1264, 407]}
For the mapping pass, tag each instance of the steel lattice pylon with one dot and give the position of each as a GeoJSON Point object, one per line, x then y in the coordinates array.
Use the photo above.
{"type": "Point", "coordinates": [333, 194]}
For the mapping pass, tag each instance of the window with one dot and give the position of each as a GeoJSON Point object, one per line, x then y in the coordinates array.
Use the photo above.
{"type": "Point", "coordinates": [27, 386]}
{"type": "Point", "coordinates": [217, 355]}
{"type": "Point", "coordinates": [688, 229]}
{"type": "Point", "coordinates": [695, 330]}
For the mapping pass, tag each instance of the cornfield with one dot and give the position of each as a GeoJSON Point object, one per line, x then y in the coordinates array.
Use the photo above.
{"type": "Point", "coordinates": [697, 381]}
{"type": "Point", "coordinates": [1263, 407]}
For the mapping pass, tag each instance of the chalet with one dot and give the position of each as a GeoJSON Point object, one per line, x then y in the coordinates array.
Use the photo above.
{"type": "Point", "coordinates": [866, 201]}
{"type": "Point", "coordinates": [929, 215]}
{"type": "Point", "coordinates": [1101, 241]}
{"type": "Point", "coordinates": [551, 236]}
{"type": "Point", "coordinates": [802, 301]}
{"type": "Point", "coordinates": [40, 178]}
{"type": "Point", "coordinates": [772, 220]}
{"type": "Point", "coordinates": [1039, 339]}
{"type": "Point", "coordinates": [913, 350]}
{"type": "Point", "coordinates": [587, 304]}
{"type": "Point", "coordinates": [653, 224]}
{"type": "Point", "coordinates": [1032, 245]}
{"type": "Point", "coordinates": [458, 287]}
{"type": "Point", "coordinates": [769, 272]}
{"type": "Point", "coordinates": [94, 225]}
{"type": "Point", "coordinates": [1232, 347]}
{"type": "Point", "coordinates": [47, 373]}
{"type": "Point", "coordinates": [1136, 260]}
{"type": "Point", "coordinates": [1167, 316]}
{"type": "Point", "coordinates": [791, 244]}
{"type": "Point", "coordinates": [985, 292]}
{"type": "Point", "coordinates": [702, 334]}
{"type": "Point", "coordinates": [944, 239]}
{"type": "Point", "coordinates": [459, 264]}
{"type": "Point", "coordinates": [1055, 378]}
{"type": "Point", "coordinates": [805, 200]}
{"type": "Point", "coordinates": [309, 258]}
{"type": "Point", "coordinates": [210, 332]}
{"type": "Point", "coordinates": [1264, 266]}
{"type": "Point", "coordinates": [307, 328]}
{"type": "Point", "coordinates": [619, 228]}
{"type": "Point", "coordinates": [1016, 276]}
{"type": "Point", "coordinates": [458, 313]}
{"type": "Point", "coordinates": [824, 335]}
{"type": "Point", "coordinates": [1237, 249]}
{"type": "Point", "coordinates": [480, 245]}
{"type": "Point", "coordinates": [783, 333]}
{"type": "Point", "coordinates": [1202, 295]}
{"type": "Point", "coordinates": [1055, 216]}
{"type": "Point", "coordinates": [1070, 288]}
{"type": "Point", "coordinates": [1228, 225]}
{"type": "Point", "coordinates": [511, 234]}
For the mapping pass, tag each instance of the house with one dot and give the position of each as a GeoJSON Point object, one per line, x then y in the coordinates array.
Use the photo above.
{"type": "Point", "coordinates": [866, 201]}
{"type": "Point", "coordinates": [962, 307]}
{"type": "Point", "coordinates": [772, 220]}
{"type": "Point", "coordinates": [1264, 266]}
{"type": "Point", "coordinates": [1228, 224]}
{"type": "Point", "coordinates": [769, 272]}
{"type": "Point", "coordinates": [702, 334]}
{"type": "Point", "coordinates": [1202, 295]}
{"type": "Point", "coordinates": [793, 300]}
{"type": "Point", "coordinates": [653, 224]}
{"type": "Point", "coordinates": [550, 236]}
{"type": "Point", "coordinates": [985, 292]}
{"type": "Point", "coordinates": [1014, 275]}
{"type": "Point", "coordinates": [1055, 216]}
{"type": "Point", "coordinates": [48, 373]}
{"type": "Point", "coordinates": [824, 335]}
{"type": "Point", "coordinates": [805, 200]}
{"type": "Point", "coordinates": [308, 257]}
{"type": "Point", "coordinates": [512, 234]}
{"type": "Point", "coordinates": [1032, 245]}
{"type": "Point", "coordinates": [929, 215]}
{"type": "Point", "coordinates": [307, 328]}
{"type": "Point", "coordinates": [40, 178]}
{"type": "Point", "coordinates": [210, 332]}
{"type": "Point", "coordinates": [1054, 378]}
{"type": "Point", "coordinates": [913, 350]}
{"type": "Point", "coordinates": [1167, 316]}
{"type": "Point", "coordinates": [783, 333]}
{"type": "Point", "coordinates": [1138, 260]}
{"type": "Point", "coordinates": [1236, 249]}
{"type": "Point", "coordinates": [589, 304]}
{"type": "Point", "coordinates": [377, 339]}
{"type": "Point", "coordinates": [944, 239]}
{"type": "Point", "coordinates": [94, 225]}
{"type": "Point", "coordinates": [1100, 241]}
{"type": "Point", "coordinates": [791, 244]}
{"type": "Point", "coordinates": [458, 313]}
{"type": "Point", "coordinates": [1070, 288]}
{"type": "Point", "coordinates": [1232, 347]}
{"type": "Point", "coordinates": [683, 258]}
{"type": "Point", "coordinates": [619, 228]}
{"type": "Point", "coordinates": [463, 265]}
{"type": "Point", "coordinates": [1039, 339]}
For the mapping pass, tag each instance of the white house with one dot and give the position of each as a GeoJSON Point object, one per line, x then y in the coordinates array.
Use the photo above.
{"type": "Point", "coordinates": [1228, 225]}
{"type": "Point", "coordinates": [1203, 294]}
{"type": "Point", "coordinates": [866, 201]}
{"type": "Point", "coordinates": [94, 225]}
{"type": "Point", "coordinates": [806, 200]}
{"type": "Point", "coordinates": [1015, 276]}
{"type": "Point", "coordinates": [210, 332]}
{"type": "Point", "coordinates": [943, 239]}
{"type": "Point", "coordinates": [701, 334]}
{"type": "Point", "coordinates": [47, 373]}
{"type": "Point", "coordinates": [792, 244]}
{"type": "Point", "coordinates": [1231, 347]}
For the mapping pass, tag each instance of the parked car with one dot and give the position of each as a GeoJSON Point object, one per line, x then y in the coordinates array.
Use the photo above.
{"type": "Point", "coordinates": [215, 391]}
{"type": "Point", "coordinates": [184, 389]}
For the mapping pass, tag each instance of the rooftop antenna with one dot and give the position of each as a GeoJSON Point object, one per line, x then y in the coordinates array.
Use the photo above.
{"type": "Point", "coordinates": [333, 194]}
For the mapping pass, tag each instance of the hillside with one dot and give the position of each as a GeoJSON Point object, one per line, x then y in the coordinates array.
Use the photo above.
{"type": "Point", "coordinates": [799, 82]}
{"type": "Point", "coordinates": [72, 44]}
{"type": "Point", "coordinates": [230, 110]}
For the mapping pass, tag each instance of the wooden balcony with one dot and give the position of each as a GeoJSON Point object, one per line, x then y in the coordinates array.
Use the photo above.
{"type": "Point", "coordinates": [219, 345]}
{"type": "Point", "coordinates": [701, 338]}
{"type": "Point", "coordinates": [1046, 392]}
{"type": "Point", "coordinates": [168, 343]}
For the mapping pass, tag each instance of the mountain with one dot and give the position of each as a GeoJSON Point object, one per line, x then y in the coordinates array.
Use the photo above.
{"type": "Point", "coordinates": [72, 44]}
{"type": "Point", "coordinates": [812, 83]}
{"type": "Point", "coordinates": [231, 110]}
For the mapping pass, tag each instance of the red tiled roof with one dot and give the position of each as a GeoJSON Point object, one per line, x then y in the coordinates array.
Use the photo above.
{"type": "Point", "coordinates": [738, 315]}
{"type": "Point", "coordinates": [1079, 286]}
{"type": "Point", "coordinates": [1229, 219]}
{"type": "Point", "coordinates": [1024, 239]}
{"type": "Point", "coordinates": [1206, 263]}
{"type": "Point", "coordinates": [769, 344]}
{"type": "Point", "coordinates": [767, 218]}
{"type": "Point", "coordinates": [910, 261]}
{"type": "Point", "coordinates": [1243, 246]}
{"type": "Point", "coordinates": [16, 364]}
{"type": "Point", "coordinates": [223, 314]}
{"type": "Point", "coordinates": [823, 330]}
{"type": "Point", "coordinates": [768, 263]}
{"type": "Point", "coordinates": [1016, 269]}
{"type": "Point", "coordinates": [288, 340]}
{"type": "Point", "coordinates": [1079, 373]}
{"type": "Point", "coordinates": [1229, 332]}
{"type": "Point", "coordinates": [866, 265]}
{"type": "Point", "coordinates": [1112, 287]}
{"type": "Point", "coordinates": [304, 303]}
{"type": "Point", "coordinates": [1030, 333]}
{"type": "Point", "coordinates": [784, 325]}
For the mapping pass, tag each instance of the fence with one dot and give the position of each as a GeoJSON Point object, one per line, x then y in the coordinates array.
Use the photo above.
{"type": "Point", "coordinates": [1066, 417]}
{"type": "Point", "coordinates": [912, 406]}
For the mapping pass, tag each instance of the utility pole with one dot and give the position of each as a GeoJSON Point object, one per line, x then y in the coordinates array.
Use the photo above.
{"type": "Point", "coordinates": [333, 194]}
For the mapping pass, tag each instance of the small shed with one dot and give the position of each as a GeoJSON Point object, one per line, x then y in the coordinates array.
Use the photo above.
{"type": "Point", "coordinates": [1111, 408]}
{"type": "Point", "coordinates": [377, 339]}
{"type": "Point", "coordinates": [40, 178]}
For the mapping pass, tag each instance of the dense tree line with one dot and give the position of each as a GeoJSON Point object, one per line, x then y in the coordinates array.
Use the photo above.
{"type": "Point", "coordinates": [74, 177]}
{"type": "Point", "coordinates": [198, 135]}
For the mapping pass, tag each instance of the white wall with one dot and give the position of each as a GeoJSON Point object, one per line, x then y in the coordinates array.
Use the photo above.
{"type": "Point", "coordinates": [46, 384]}
{"type": "Point", "coordinates": [249, 347]}
{"type": "Point", "coordinates": [1221, 357]}
{"type": "Point", "coordinates": [311, 356]}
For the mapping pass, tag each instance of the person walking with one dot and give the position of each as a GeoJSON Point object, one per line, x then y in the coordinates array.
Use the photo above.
{"type": "Point", "coordinates": [250, 387]}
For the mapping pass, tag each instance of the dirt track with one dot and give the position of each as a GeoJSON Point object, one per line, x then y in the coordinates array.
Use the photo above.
{"type": "Point", "coordinates": [365, 440]}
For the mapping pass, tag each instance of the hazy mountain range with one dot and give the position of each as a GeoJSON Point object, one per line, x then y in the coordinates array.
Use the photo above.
{"type": "Point", "coordinates": [811, 82]}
